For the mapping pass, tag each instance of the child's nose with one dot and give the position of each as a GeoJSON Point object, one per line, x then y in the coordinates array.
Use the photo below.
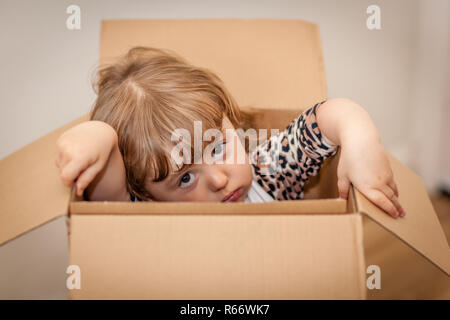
{"type": "Point", "coordinates": [217, 179]}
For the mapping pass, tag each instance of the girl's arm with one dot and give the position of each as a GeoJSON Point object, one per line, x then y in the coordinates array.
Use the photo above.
{"type": "Point", "coordinates": [110, 183]}
{"type": "Point", "coordinates": [363, 160]}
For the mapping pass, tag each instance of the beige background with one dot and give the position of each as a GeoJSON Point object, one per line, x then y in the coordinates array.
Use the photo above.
{"type": "Point", "coordinates": [400, 74]}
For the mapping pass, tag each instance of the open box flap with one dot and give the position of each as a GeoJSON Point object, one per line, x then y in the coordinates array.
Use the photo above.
{"type": "Point", "coordinates": [31, 192]}
{"type": "Point", "coordinates": [420, 228]}
{"type": "Point", "coordinates": [264, 63]}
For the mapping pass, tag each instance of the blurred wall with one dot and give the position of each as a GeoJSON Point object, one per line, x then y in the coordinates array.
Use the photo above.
{"type": "Point", "coordinates": [398, 73]}
{"type": "Point", "coordinates": [429, 94]}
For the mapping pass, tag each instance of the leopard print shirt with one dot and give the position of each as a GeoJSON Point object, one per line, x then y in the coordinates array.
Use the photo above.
{"type": "Point", "coordinates": [283, 163]}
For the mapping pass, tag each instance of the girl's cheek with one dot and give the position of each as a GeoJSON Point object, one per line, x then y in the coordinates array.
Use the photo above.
{"type": "Point", "coordinates": [191, 196]}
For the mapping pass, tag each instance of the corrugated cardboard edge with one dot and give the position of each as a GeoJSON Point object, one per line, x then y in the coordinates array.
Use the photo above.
{"type": "Point", "coordinates": [420, 229]}
{"type": "Point", "coordinates": [31, 192]}
{"type": "Point", "coordinates": [359, 232]}
{"type": "Point", "coordinates": [359, 239]}
{"type": "Point", "coordinates": [324, 206]}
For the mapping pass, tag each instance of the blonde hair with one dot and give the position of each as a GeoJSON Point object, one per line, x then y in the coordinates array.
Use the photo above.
{"type": "Point", "coordinates": [148, 94]}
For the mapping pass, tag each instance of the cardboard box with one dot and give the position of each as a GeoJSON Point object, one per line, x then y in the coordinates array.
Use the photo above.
{"type": "Point", "coordinates": [283, 250]}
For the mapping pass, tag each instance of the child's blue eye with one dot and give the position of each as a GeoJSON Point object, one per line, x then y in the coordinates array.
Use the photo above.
{"type": "Point", "coordinates": [187, 179]}
{"type": "Point", "coordinates": [219, 150]}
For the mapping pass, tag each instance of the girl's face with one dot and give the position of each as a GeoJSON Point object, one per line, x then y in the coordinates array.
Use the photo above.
{"type": "Point", "coordinates": [229, 181]}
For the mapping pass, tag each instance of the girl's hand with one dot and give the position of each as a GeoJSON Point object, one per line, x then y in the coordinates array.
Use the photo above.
{"type": "Point", "coordinates": [365, 164]}
{"type": "Point", "coordinates": [83, 151]}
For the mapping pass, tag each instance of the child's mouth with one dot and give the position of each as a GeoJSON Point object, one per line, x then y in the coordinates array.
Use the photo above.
{"type": "Point", "coordinates": [233, 196]}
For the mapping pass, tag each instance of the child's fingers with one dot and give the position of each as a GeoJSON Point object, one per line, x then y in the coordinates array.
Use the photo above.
{"type": "Point", "coordinates": [402, 211]}
{"type": "Point", "coordinates": [399, 207]}
{"type": "Point", "coordinates": [382, 201]}
{"type": "Point", "coordinates": [390, 194]}
{"type": "Point", "coordinates": [70, 172]}
{"type": "Point", "coordinates": [62, 159]}
{"type": "Point", "coordinates": [86, 177]}
{"type": "Point", "coordinates": [393, 186]}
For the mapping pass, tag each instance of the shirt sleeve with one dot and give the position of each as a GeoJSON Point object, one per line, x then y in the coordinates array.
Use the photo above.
{"type": "Point", "coordinates": [284, 163]}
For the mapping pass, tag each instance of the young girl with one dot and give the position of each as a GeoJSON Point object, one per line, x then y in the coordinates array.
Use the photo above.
{"type": "Point", "coordinates": [126, 152]}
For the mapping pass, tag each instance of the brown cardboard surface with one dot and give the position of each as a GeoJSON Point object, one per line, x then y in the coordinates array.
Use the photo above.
{"type": "Point", "coordinates": [420, 228]}
{"type": "Point", "coordinates": [325, 206]}
{"type": "Point", "coordinates": [264, 63]}
{"type": "Point", "coordinates": [31, 192]}
{"type": "Point", "coordinates": [324, 184]}
{"type": "Point", "coordinates": [218, 257]}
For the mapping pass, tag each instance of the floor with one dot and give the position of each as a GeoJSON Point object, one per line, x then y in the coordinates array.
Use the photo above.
{"type": "Point", "coordinates": [404, 273]}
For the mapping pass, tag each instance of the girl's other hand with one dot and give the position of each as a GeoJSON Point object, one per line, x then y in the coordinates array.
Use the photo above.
{"type": "Point", "coordinates": [365, 164]}
{"type": "Point", "coordinates": [83, 151]}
